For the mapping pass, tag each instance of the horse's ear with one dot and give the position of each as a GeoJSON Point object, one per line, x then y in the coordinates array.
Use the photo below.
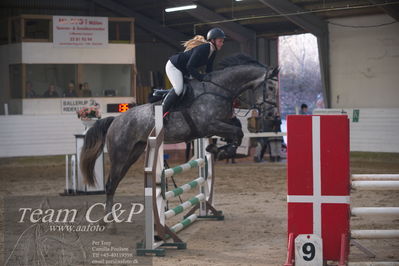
{"type": "Point", "coordinates": [274, 73]}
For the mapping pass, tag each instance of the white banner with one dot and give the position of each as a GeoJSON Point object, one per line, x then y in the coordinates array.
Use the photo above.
{"type": "Point", "coordinates": [72, 105]}
{"type": "Point", "coordinates": [73, 31]}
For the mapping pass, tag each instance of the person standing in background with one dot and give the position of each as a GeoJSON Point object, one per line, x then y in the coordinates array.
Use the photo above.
{"type": "Point", "coordinates": [275, 142]}
{"type": "Point", "coordinates": [304, 109]}
{"type": "Point", "coordinates": [254, 126]}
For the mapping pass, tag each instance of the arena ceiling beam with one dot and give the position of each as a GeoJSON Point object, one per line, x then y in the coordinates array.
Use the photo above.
{"type": "Point", "coordinates": [168, 35]}
{"type": "Point", "coordinates": [391, 10]}
{"type": "Point", "coordinates": [308, 22]}
{"type": "Point", "coordinates": [246, 37]}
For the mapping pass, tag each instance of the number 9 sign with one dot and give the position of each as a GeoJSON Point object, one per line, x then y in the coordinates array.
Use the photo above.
{"type": "Point", "coordinates": [308, 250]}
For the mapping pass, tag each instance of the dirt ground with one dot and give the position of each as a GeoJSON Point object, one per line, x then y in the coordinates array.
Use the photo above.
{"type": "Point", "coordinates": [251, 195]}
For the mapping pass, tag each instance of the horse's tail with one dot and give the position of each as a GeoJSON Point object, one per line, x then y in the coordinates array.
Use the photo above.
{"type": "Point", "coordinates": [92, 147]}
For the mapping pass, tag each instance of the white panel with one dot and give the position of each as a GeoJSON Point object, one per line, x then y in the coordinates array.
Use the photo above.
{"type": "Point", "coordinates": [364, 62]}
{"type": "Point", "coordinates": [376, 131]}
{"type": "Point", "coordinates": [42, 106]}
{"type": "Point", "coordinates": [38, 135]}
{"type": "Point", "coordinates": [45, 53]}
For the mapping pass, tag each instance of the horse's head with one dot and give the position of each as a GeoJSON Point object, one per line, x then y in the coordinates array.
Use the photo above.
{"type": "Point", "coordinates": [265, 95]}
{"type": "Point", "coordinates": [240, 73]}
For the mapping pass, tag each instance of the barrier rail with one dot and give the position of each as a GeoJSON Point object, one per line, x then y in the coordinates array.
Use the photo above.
{"type": "Point", "coordinates": [157, 232]}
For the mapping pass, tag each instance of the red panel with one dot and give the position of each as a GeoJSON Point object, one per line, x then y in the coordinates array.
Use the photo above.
{"type": "Point", "coordinates": [300, 218]}
{"type": "Point", "coordinates": [299, 155]}
{"type": "Point", "coordinates": [335, 222]}
{"type": "Point", "coordinates": [334, 152]}
{"type": "Point", "coordinates": [334, 146]}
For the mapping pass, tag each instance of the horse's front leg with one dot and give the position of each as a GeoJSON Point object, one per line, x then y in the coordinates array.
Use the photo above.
{"type": "Point", "coordinates": [227, 131]}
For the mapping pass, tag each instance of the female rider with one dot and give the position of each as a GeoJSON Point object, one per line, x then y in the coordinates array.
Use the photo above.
{"type": "Point", "coordinates": [199, 52]}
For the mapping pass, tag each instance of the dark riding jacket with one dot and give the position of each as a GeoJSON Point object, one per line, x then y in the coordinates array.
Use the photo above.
{"type": "Point", "coordinates": [188, 62]}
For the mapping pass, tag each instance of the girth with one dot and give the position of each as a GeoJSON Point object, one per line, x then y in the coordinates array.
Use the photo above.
{"type": "Point", "coordinates": [194, 133]}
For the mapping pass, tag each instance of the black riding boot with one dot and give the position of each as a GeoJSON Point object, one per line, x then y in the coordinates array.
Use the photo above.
{"type": "Point", "coordinates": [169, 100]}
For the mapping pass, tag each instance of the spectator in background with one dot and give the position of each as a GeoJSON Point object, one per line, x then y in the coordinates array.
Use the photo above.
{"type": "Point", "coordinates": [70, 91]}
{"type": "Point", "coordinates": [79, 92]}
{"type": "Point", "coordinates": [254, 126]}
{"type": "Point", "coordinates": [304, 109]}
{"type": "Point", "coordinates": [267, 126]}
{"type": "Point", "coordinates": [275, 142]}
{"type": "Point", "coordinates": [29, 91]}
{"type": "Point", "coordinates": [50, 92]}
{"type": "Point", "coordinates": [86, 90]}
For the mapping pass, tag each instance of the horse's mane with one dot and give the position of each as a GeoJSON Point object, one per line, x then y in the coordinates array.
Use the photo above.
{"type": "Point", "coordinates": [239, 59]}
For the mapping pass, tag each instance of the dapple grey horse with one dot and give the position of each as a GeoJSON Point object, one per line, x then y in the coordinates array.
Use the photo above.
{"type": "Point", "coordinates": [205, 110]}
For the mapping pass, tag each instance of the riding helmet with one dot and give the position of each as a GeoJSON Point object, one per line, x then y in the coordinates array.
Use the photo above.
{"type": "Point", "coordinates": [215, 33]}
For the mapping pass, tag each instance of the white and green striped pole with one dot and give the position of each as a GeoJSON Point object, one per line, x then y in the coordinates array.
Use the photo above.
{"type": "Point", "coordinates": [184, 167]}
{"type": "Point", "coordinates": [180, 190]}
{"type": "Point", "coordinates": [185, 205]}
{"type": "Point", "coordinates": [183, 224]}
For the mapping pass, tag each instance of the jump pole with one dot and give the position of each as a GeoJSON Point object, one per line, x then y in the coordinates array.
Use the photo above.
{"type": "Point", "coordinates": [157, 232]}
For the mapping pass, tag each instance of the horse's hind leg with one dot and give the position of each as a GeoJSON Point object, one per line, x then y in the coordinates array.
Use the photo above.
{"type": "Point", "coordinates": [119, 167]}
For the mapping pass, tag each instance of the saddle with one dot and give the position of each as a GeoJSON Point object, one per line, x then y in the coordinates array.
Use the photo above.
{"type": "Point", "coordinates": [183, 103]}
{"type": "Point", "coordinates": [185, 99]}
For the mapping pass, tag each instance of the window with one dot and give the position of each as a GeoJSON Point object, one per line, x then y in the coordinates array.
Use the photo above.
{"type": "Point", "coordinates": [107, 80]}
{"type": "Point", "coordinates": [70, 80]}
{"type": "Point", "coordinates": [37, 29]}
{"type": "Point", "coordinates": [50, 80]}
{"type": "Point", "coordinates": [119, 31]}
{"type": "Point", "coordinates": [16, 81]}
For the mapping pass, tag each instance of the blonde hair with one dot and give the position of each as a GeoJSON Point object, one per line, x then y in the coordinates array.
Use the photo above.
{"type": "Point", "coordinates": [194, 42]}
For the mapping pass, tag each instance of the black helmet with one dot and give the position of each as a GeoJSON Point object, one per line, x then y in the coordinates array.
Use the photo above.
{"type": "Point", "coordinates": [215, 33]}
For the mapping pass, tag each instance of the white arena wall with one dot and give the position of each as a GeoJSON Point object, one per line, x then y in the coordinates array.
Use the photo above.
{"type": "Point", "coordinates": [31, 135]}
{"type": "Point", "coordinates": [364, 63]}
{"type": "Point", "coordinates": [376, 131]}
{"type": "Point", "coordinates": [40, 135]}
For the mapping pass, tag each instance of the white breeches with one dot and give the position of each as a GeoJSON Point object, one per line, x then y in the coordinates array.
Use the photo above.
{"type": "Point", "coordinates": [175, 77]}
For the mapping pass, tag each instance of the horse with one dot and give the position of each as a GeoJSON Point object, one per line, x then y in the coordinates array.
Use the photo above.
{"type": "Point", "coordinates": [205, 112]}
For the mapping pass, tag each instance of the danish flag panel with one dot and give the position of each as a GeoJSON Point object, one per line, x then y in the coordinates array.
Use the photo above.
{"type": "Point", "coordinates": [318, 178]}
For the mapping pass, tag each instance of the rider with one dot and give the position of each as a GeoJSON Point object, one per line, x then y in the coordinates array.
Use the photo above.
{"type": "Point", "coordinates": [199, 52]}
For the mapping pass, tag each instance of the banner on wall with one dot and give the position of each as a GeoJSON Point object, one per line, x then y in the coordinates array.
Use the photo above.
{"type": "Point", "coordinates": [76, 31]}
{"type": "Point", "coordinates": [71, 106]}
